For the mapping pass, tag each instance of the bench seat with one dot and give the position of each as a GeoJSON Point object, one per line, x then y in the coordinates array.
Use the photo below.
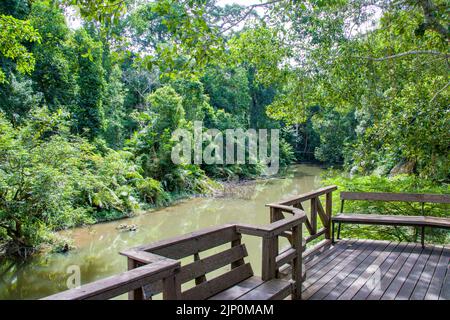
{"type": "Point", "coordinates": [391, 220]}
{"type": "Point", "coordinates": [254, 288]}
{"type": "Point", "coordinates": [419, 221]}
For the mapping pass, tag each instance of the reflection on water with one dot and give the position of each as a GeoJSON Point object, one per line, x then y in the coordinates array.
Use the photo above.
{"type": "Point", "coordinates": [98, 246]}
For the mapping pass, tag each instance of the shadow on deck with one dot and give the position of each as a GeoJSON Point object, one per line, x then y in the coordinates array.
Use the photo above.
{"type": "Point", "coordinates": [374, 270]}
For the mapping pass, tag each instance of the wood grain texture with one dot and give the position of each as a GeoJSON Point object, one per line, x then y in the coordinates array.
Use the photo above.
{"type": "Point", "coordinates": [212, 287]}
{"type": "Point", "coordinates": [374, 270]}
{"type": "Point", "coordinates": [393, 220]}
{"type": "Point", "coordinates": [116, 285]}
{"type": "Point", "coordinates": [402, 197]}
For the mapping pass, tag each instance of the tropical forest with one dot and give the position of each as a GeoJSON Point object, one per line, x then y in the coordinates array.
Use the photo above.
{"type": "Point", "coordinates": [92, 93]}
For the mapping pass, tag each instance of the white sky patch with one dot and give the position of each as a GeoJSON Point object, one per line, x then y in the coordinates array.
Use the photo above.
{"type": "Point", "coordinates": [73, 18]}
{"type": "Point", "coordinates": [239, 2]}
{"type": "Point", "coordinates": [375, 14]}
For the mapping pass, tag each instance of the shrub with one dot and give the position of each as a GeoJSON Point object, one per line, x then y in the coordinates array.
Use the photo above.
{"type": "Point", "coordinates": [39, 174]}
{"type": "Point", "coordinates": [50, 180]}
{"type": "Point", "coordinates": [151, 191]}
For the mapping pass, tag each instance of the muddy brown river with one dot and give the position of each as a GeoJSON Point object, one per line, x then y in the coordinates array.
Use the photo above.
{"type": "Point", "coordinates": [96, 254]}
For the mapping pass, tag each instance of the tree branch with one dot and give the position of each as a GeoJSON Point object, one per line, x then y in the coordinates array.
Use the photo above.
{"type": "Point", "coordinates": [246, 14]}
{"type": "Point", "coordinates": [431, 22]}
{"type": "Point", "coordinates": [439, 92]}
{"type": "Point", "coordinates": [408, 53]}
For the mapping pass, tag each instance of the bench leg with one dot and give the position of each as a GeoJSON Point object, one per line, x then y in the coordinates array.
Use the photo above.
{"type": "Point", "coordinates": [422, 238]}
{"type": "Point", "coordinates": [339, 231]}
{"type": "Point", "coordinates": [332, 232]}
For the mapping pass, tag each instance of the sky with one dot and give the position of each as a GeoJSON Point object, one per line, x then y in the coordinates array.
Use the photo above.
{"type": "Point", "coordinates": [241, 2]}
{"type": "Point", "coordinates": [75, 23]}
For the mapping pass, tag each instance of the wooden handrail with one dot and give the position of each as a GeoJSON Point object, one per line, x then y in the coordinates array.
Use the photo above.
{"type": "Point", "coordinates": [189, 244]}
{"type": "Point", "coordinates": [317, 210]}
{"type": "Point", "coordinates": [125, 282]}
{"type": "Point", "coordinates": [181, 239]}
{"type": "Point", "coordinates": [308, 196]}
{"type": "Point", "coordinates": [276, 228]}
{"type": "Point", "coordinates": [143, 256]}
{"type": "Point", "coordinates": [284, 208]}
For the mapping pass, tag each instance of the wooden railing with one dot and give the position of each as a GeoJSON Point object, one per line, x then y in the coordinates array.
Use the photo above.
{"type": "Point", "coordinates": [190, 245]}
{"type": "Point", "coordinates": [156, 268]}
{"type": "Point", "coordinates": [195, 243]}
{"type": "Point", "coordinates": [317, 211]}
{"type": "Point", "coordinates": [161, 270]}
{"type": "Point", "coordinates": [272, 259]}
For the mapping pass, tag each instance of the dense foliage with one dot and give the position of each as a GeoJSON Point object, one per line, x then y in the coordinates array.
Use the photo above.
{"type": "Point", "coordinates": [87, 113]}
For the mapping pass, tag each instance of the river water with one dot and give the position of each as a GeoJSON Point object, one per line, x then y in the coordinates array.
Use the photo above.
{"type": "Point", "coordinates": [96, 254]}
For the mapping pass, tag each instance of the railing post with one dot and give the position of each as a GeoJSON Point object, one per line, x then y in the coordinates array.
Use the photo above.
{"type": "Point", "coordinates": [136, 294]}
{"type": "Point", "coordinates": [201, 278]}
{"type": "Point", "coordinates": [275, 215]}
{"type": "Point", "coordinates": [314, 215]}
{"type": "Point", "coordinates": [297, 267]}
{"type": "Point", "coordinates": [171, 288]}
{"type": "Point", "coordinates": [239, 262]}
{"type": "Point", "coordinates": [269, 254]}
{"type": "Point", "coordinates": [329, 213]}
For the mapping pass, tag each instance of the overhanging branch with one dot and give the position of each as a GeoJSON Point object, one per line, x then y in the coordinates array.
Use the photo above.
{"type": "Point", "coordinates": [408, 53]}
{"type": "Point", "coordinates": [439, 92]}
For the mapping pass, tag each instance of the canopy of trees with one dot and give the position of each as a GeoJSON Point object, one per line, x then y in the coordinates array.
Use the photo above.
{"type": "Point", "coordinates": [86, 114]}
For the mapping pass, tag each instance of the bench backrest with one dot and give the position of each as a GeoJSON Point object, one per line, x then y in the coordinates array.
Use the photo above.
{"type": "Point", "coordinates": [403, 197]}
{"type": "Point", "coordinates": [399, 197]}
{"type": "Point", "coordinates": [195, 245]}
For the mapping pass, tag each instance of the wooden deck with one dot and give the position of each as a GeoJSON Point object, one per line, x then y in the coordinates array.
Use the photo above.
{"type": "Point", "coordinates": [347, 270]}
{"type": "Point", "coordinates": [378, 270]}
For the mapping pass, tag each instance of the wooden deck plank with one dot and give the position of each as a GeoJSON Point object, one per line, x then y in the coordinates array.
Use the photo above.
{"type": "Point", "coordinates": [421, 288]}
{"type": "Point", "coordinates": [314, 251]}
{"type": "Point", "coordinates": [374, 281]}
{"type": "Point", "coordinates": [405, 271]}
{"type": "Point", "coordinates": [332, 270]}
{"type": "Point", "coordinates": [317, 271]}
{"type": "Point", "coordinates": [238, 290]}
{"type": "Point", "coordinates": [274, 289]}
{"type": "Point", "coordinates": [369, 269]}
{"type": "Point", "coordinates": [331, 290]}
{"type": "Point", "coordinates": [445, 290]}
{"type": "Point", "coordinates": [340, 252]}
{"type": "Point", "coordinates": [397, 283]}
{"type": "Point", "coordinates": [437, 282]}
{"type": "Point", "coordinates": [389, 275]}
{"type": "Point", "coordinates": [333, 252]}
{"type": "Point", "coordinates": [414, 275]}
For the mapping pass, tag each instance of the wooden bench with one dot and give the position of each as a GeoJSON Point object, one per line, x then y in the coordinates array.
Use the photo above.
{"type": "Point", "coordinates": [421, 221]}
{"type": "Point", "coordinates": [217, 269]}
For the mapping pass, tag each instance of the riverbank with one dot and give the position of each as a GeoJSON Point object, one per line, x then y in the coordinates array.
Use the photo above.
{"type": "Point", "coordinates": [97, 246]}
{"type": "Point", "coordinates": [238, 188]}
